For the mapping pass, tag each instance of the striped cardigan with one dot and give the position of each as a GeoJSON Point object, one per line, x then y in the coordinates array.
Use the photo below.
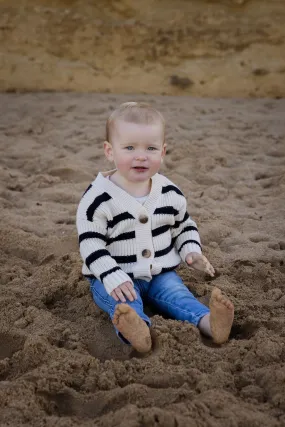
{"type": "Point", "coordinates": [121, 239]}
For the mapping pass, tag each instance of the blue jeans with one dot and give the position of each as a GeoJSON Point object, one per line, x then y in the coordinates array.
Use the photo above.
{"type": "Point", "coordinates": [165, 292]}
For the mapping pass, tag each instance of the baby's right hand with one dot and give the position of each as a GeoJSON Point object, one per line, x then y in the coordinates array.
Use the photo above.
{"type": "Point", "coordinates": [125, 289]}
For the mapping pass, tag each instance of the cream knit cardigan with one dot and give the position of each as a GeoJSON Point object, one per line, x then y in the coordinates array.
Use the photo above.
{"type": "Point", "coordinates": [121, 239]}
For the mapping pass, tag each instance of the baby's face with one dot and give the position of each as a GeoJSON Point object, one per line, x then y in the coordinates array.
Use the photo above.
{"type": "Point", "coordinates": [136, 149]}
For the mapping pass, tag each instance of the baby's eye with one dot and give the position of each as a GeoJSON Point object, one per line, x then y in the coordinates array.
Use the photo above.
{"type": "Point", "coordinates": [152, 148]}
{"type": "Point", "coordinates": [129, 147]}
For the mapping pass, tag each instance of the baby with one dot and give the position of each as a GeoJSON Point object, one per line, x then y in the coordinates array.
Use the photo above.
{"type": "Point", "coordinates": [134, 230]}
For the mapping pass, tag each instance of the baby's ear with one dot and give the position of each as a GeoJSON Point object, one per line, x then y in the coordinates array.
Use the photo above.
{"type": "Point", "coordinates": [108, 150]}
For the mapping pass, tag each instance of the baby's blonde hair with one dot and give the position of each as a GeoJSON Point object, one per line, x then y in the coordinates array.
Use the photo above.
{"type": "Point", "coordinates": [135, 112]}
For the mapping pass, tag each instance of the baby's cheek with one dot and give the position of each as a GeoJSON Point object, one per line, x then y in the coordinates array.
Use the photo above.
{"type": "Point", "coordinates": [122, 163]}
{"type": "Point", "coordinates": [157, 163]}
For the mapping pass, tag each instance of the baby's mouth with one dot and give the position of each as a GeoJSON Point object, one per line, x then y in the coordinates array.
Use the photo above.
{"type": "Point", "coordinates": [140, 167]}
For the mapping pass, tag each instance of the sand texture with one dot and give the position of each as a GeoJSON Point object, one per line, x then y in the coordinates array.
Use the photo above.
{"type": "Point", "coordinates": [60, 361]}
{"type": "Point", "coordinates": [217, 48]}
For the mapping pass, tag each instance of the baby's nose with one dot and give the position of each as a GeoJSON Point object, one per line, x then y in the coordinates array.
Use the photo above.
{"type": "Point", "coordinates": [141, 156]}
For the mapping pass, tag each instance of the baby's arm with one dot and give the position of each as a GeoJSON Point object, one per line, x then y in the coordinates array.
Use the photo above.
{"type": "Point", "coordinates": [184, 231]}
{"type": "Point", "coordinates": [92, 241]}
{"type": "Point", "coordinates": [187, 241]}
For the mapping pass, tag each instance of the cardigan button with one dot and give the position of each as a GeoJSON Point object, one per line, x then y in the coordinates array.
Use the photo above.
{"type": "Point", "coordinates": [143, 219]}
{"type": "Point", "coordinates": [146, 253]}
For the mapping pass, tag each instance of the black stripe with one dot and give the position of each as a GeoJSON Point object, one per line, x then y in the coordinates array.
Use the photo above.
{"type": "Point", "coordinates": [106, 273]}
{"type": "Point", "coordinates": [87, 189]}
{"type": "Point", "coordinates": [171, 188]}
{"type": "Point", "coordinates": [118, 218]}
{"type": "Point", "coordinates": [178, 223]}
{"type": "Point", "coordinates": [189, 241]}
{"type": "Point", "coordinates": [125, 259]}
{"type": "Point", "coordinates": [160, 230]}
{"type": "Point", "coordinates": [123, 236]}
{"type": "Point", "coordinates": [91, 276]}
{"type": "Point", "coordinates": [164, 251]}
{"type": "Point", "coordinates": [167, 210]}
{"type": "Point", "coordinates": [104, 197]}
{"type": "Point", "coordinates": [96, 255]}
{"type": "Point", "coordinates": [91, 235]}
{"type": "Point", "coordinates": [189, 228]}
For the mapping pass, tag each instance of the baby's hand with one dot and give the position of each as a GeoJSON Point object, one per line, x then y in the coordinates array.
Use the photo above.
{"type": "Point", "coordinates": [125, 289]}
{"type": "Point", "coordinates": [200, 262]}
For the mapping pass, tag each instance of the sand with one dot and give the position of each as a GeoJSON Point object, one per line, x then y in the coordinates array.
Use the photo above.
{"type": "Point", "coordinates": [212, 48]}
{"type": "Point", "coordinates": [61, 363]}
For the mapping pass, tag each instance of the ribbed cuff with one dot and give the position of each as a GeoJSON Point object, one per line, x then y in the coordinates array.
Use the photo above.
{"type": "Point", "coordinates": [190, 247]}
{"type": "Point", "coordinates": [113, 280]}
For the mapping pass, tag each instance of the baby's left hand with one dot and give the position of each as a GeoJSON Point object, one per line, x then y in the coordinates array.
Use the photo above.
{"type": "Point", "coordinates": [199, 262]}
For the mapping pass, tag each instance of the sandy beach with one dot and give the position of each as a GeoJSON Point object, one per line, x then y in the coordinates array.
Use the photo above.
{"type": "Point", "coordinates": [60, 361]}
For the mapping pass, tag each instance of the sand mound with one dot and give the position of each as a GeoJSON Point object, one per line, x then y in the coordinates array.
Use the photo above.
{"type": "Point", "coordinates": [60, 361]}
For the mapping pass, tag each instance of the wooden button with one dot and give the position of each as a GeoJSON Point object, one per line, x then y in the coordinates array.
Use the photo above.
{"type": "Point", "coordinates": [143, 219]}
{"type": "Point", "coordinates": [146, 253]}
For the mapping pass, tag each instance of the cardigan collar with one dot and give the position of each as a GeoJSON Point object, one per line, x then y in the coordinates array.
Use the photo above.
{"type": "Point", "coordinates": [125, 199]}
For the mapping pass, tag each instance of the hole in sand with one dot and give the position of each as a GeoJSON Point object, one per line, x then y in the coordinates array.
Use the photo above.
{"type": "Point", "coordinates": [10, 344]}
{"type": "Point", "coordinates": [244, 331]}
{"type": "Point", "coordinates": [60, 404]}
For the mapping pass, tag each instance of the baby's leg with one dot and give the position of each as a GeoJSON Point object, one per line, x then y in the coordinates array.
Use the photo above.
{"type": "Point", "coordinates": [169, 295]}
{"type": "Point", "coordinates": [219, 322]}
{"type": "Point", "coordinates": [129, 319]}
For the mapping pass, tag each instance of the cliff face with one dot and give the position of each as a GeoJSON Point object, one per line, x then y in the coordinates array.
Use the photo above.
{"type": "Point", "coordinates": [200, 48]}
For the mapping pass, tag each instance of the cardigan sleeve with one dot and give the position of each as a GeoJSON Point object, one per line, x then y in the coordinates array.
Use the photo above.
{"type": "Point", "coordinates": [184, 232]}
{"type": "Point", "coordinates": [92, 241]}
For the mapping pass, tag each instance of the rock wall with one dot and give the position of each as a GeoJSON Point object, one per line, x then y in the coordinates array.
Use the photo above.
{"type": "Point", "coordinates": [223, 48]}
